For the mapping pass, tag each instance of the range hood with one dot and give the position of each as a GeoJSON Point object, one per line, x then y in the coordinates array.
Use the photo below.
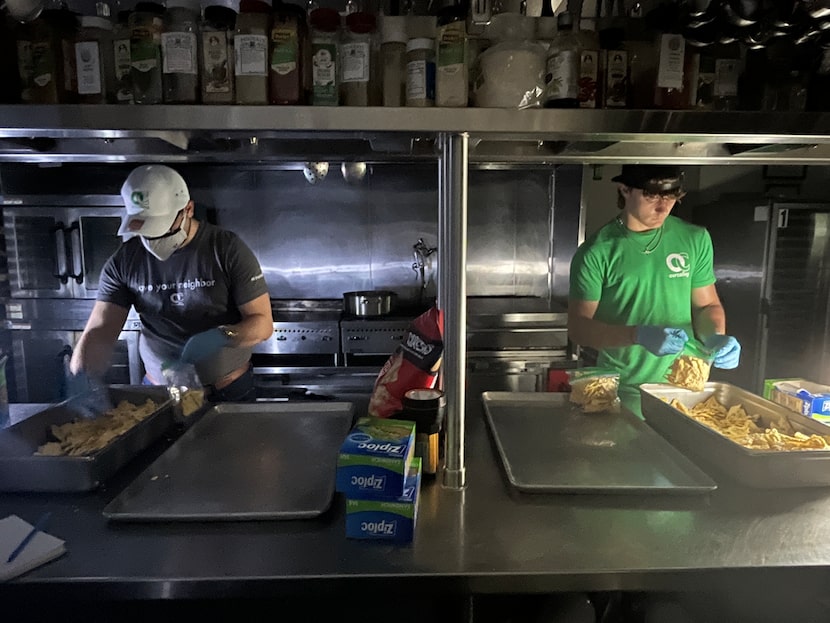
{"type": "Point", "coordinates": [284, 134]}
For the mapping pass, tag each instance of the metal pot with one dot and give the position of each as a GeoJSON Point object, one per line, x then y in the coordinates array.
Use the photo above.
{"type": "Point", "coordinates": [368, 303]}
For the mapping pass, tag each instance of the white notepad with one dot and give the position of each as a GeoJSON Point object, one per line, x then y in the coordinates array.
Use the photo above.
{"type": "Point", "coordinates": [41, 549]}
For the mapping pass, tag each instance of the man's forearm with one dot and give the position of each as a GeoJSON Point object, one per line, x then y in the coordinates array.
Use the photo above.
{"type": "Point", "coordinates": [93, 353]}
{"type": "Point", "coordinates": [596, 334]}
{"type": "Point", "coordinates": [251, 330]}
{"type": "Point", "coordinates": [709, 320]}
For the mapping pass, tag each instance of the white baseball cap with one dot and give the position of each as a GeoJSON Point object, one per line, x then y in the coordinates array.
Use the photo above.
{"type": "Point", "coordinates": [153, 195]}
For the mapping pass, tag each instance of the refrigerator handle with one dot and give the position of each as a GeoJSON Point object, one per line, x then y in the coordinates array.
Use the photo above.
{"type": "Point", "coordinates": [59, 237]}
{"type": "Point", "coordinates": [74, 254]}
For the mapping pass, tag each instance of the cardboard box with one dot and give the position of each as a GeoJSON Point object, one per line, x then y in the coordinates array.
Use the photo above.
{"type": "Point", "coordinates": [375, 458]}
{"type": "Point", "coordinates": [390, 520]}
{"type": "Point", "coordinates": [800, 395]}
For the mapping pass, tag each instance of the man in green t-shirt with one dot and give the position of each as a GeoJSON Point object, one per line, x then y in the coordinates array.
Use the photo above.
{"type": "Point", "coordinates": [644, 284]}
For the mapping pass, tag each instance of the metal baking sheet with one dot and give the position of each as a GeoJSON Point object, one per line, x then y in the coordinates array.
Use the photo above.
{"type": "Point", "coordinates": [547, 445]}
{"type": "Point", "coordinates": [756, 468]}
{"type": "Point", "coordinates": [21, 470]}
{"type": "Point", "coordinates": [243, 462]}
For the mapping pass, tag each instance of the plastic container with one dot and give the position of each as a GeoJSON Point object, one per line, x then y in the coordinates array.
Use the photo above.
{"type": "Point", "coordinates": [253, 26]}
{"type": "Point", "coordinates": [146, 27]}
{"type": "Point", "coordinates": [325, 57]}
{"type": "Point", "coordinates": [287, 45]}
{"type": "Point", "coordinates": [563, 67]}
{"type": "Point", "coordinates": [359, 81]}
{"type": "Point", "coordinates": [123, 87]}
{"type": "Point", "coordinates": [216, 52]}
{"type": "Point", "coordinates": [420, 72]}
{"type": "Point", "coordinates": [393, 60]}
{"type": "Point", "coordinates": [452, 74]}
{"type": "Point", "coordinates": [180, 52]}
{"type": "Point", "coordinates": [94, 61]}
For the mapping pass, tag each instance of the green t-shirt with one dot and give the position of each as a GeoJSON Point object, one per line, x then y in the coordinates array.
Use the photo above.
{"type": "Point", "coordinates": [635, 288]}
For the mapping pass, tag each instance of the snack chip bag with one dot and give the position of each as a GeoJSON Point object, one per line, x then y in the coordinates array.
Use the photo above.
{"type": "Point", "coordinates": [185, 388]}
{"type": "Point", "coordinates": [690, 369]}
{"type": "Point", "coordinates": [595, 390]}
{"type": "Point", "coordinates": [413, 365]}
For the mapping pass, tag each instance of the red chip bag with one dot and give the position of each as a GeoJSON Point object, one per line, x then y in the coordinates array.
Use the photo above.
{"type": "Point", "coordinates": [413, 365]}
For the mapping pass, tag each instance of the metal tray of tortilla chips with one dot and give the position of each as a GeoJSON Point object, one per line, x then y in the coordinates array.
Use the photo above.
{"type": "Point", "coordinates": [752, 467]}
{"type": "Point", "coordinates": [22, 470]}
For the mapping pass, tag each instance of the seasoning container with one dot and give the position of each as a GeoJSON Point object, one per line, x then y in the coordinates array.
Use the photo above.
{"type": "Point", "coordinates": [451, 67]}
{"type": "Point", "coordinates": [426, 408]}
{"type": "Point", "coordinates": [325, 33]}
{"type": "Point", "coordinates": [94, 61]}
{"type": "Point", "coordinates": [563, 66]}
{"type": "Point", "coordinates": [179, 52]}
{"type": "Point", "coordinates": [123, 88]}
{"type": "Point", "coordinates": [250, 46]}
{"type": "Point", "coordinates": [146, 27]}
{"type": "Point", "coordinates": [676, 69]}
{"type": "Point", "coordinates": [393, 60]}
{"type": "Point", "coordinates": [286, 66]}
{"type": "Point", "coordinates": [420, 72]}
{"type": "Point", "coordinates": [65, 28]}
{"type": "Point", "coordinates": [359, 83]}
{"type": "Point", "coordinates": [216, 51]}
{"type": "Point", "coordinates": [9, 74]}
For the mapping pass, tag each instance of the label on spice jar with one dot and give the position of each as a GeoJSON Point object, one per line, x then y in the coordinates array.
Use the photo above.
{"type": "Point", "coordinates": [121, 52]}
{"type": "Point", "coordinates": [144, 54]}
{"type": "Point", "coordinates": [25, 64]}
{"type": "Point", "coordinates": [43, 64]}
{"type": "Point", "coordinates": [588, 78]}
{"type": "Point", "coordinates": [670, 69]}
{"type": "Point", "coordinates": [324, 73]}
{"type": "Point", "coordinates": [179, 52]}
{"type": "Point", "coordinates": [355, 62]}
{"type": "Point", "coordinates": [727, 72]}
{"type": "Point", "coordinates": [616, 78]}
{"type": "Point", "coordinates": [216, 63]}
{"type": "Point", "coordinates": [284, 50]}
{"type": "Point", "coordinates": [251, 55]}
{"type": "Point", "coordinates": [88, 63]}
{"type": "Point", "coordinates": [562, 76]}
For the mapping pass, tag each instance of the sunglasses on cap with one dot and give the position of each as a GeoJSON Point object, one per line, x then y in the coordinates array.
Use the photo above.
{"type": "Point", "coordinates": [668, 195]}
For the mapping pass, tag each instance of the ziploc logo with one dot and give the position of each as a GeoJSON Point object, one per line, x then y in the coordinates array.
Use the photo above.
{"type": "Point", "coordinates": [373, 482]}
{"type": "Point", "coordinates": [379, 528]}
{"type": "Point", "coordinates": [365, 442]}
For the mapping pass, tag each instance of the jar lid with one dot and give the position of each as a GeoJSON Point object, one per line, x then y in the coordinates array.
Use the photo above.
{"type": "Point", "coordinates": [361, 22]}
{"type": "Point", "coordinates": [325, 19]}
{"type": "Point", "coordinates": [393, 29]}
{"type": "Point", "coordinates": [420, 44]}
{"type": "Point", "coordinates": [93, 21]}
{"type": "Point", "coordinates": [192, 5]}
{"type": "Point", "coordinates": [233, 5]}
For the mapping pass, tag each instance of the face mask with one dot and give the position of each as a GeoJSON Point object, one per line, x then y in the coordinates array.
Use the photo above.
{"type": "Point", "coordinates": [163, 248]}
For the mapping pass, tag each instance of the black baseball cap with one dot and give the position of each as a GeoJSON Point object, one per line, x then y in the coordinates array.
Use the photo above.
{"type": "Point", "coordinates": [658, 178]}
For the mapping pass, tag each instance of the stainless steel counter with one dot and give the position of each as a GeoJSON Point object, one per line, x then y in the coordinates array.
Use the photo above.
{"type": "Point", "coordinates": [482, 539]}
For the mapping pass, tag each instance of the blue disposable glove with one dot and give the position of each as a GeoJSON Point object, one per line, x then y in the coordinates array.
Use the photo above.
{"type": "Point", "coordinates": [727, 351]}
{"type": "Point", "coordinates": [203, 345]}
{"type": "Point", "coordinates": [661, 340]}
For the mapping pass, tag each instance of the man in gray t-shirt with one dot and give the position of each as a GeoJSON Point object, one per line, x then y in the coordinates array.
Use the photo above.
{"type": "Point", "coordinates": [198, 290]}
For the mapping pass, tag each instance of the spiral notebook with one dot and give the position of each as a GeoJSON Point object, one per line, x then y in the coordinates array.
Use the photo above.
{"type": "Point", "coordinates": [40, 550]}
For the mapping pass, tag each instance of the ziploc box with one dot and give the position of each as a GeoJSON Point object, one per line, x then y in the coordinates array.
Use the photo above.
{"type": "Point", "coordinates": [375, 458]}
{"type": "Point", "coordinates": [800, 395]}
{"type": "Point", "coordinates": [391, 520]}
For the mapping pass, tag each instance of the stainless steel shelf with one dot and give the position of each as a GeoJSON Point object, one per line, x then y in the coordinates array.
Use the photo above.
{"type": "Point", "coordinates": [110, 133]}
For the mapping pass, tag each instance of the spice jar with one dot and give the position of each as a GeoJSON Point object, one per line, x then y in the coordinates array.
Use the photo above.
{"type": "Point", "coordinates": [420, 72]}
{"type": "Point", "coordinates": [393, 60]}
{"type": "Point", "coordinates": [94, 61]}
{"type": "Point", "coordinates": [179, 52]}
{"type": "Point", "coordinates": [287, 44]}
{"type": "Point", "coordinates": [45, 53]}
{"type": "Point", "coordinates": [359, 84]}
{"type": "Point", "coordinates": [251, 51]}
{"type": "Point", "coordinates": [146, 26]}
{"type": "Point", "coordinates": [217, 52]}
{"type": "Point", "coordinates": [123, 88]}
{"type": "Point", "coordinates": [325, 26]}
{"type": "Point", "coordinates": [452, 70]}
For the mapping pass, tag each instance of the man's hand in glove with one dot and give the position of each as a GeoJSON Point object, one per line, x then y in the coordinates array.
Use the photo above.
{"type": "Point", "coordinates": [203, 345]}
{"type": "Point", "coordinates": [661, 340]}
{"type": "Point", "coordinates": [726, 349]}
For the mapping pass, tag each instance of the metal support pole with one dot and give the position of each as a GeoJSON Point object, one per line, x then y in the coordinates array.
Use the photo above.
{"type": "Point", "coordinates": [452, 296]}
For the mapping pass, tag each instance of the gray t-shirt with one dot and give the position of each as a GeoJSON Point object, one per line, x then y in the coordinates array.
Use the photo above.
{"type": "Point", "coordinates": [199, 287]}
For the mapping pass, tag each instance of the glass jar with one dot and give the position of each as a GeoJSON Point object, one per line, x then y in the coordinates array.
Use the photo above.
{"type": "Point", "coordinates": [420, 72]}
{"type": "Point", "coordinates": [9, 74]}
{"type": "Point", "coordinates": [325, 31]}
{"type": "Point", "coordinates": [359, 83]}
{"type": "Point", "coordinates": [65, 27]}
{"type": "Point", "coordinates": [393, 60]}
{"type": "Point", "coordinates": [251, 51]}
{"type": "Point", "coordinates": [179, 52]}
{"type": "Point", "coordinates": [123, 88]}
{"type": "Point", "coordinates": [563, 66]}
{"type": "Point", "coordinates": [675, 73]}
{"type": "Point", "coordinates": [146, 27]}
{"type": "Point", "coordinates": [94, 62]}
{"type": "Point", "coordinates": [286, 63]}
{"type": "Point", "coordinates": [217, 63]}
{"type": "Point", "coordinates": [451, 67]}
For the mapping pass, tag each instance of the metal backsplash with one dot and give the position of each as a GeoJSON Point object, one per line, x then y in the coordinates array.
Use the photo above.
{"type": "Point", "coordinates": [317, 241]}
